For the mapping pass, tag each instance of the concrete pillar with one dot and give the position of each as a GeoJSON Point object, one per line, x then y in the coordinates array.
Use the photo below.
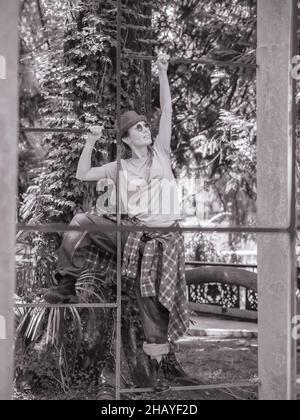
{"type": "Point", "coordinates": [276, 198]}
{"type": "Point", "coordinates": [8, 181]}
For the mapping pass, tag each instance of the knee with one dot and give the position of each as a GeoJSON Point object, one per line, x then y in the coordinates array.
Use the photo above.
{"type": "Point", "coordinates": [79, 219]}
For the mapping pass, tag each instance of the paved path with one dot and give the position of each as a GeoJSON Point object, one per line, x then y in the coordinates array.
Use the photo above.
{"type": "Point", "coordinates": [202, 326]}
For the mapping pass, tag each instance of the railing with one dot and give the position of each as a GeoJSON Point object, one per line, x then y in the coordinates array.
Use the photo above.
{"type": "Point", "coordinates": [227, 290]}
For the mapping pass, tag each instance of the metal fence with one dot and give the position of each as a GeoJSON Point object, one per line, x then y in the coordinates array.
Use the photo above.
{"type": "Point", "coordinates": [266, 230]}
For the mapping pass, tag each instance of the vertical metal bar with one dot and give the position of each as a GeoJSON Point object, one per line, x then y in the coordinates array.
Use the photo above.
{"type": "Point", "coordinates": [9, 47]}
{"type": "Point", "coordinates": [119, 233]}
{"type": "Point", "coordinates": [292, 344]}
{"type": "Point", "coordinates": [276, 198]}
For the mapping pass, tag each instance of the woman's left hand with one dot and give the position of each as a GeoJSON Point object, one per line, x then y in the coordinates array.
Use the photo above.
{"type": "Point", "coordinates": [163, 62]}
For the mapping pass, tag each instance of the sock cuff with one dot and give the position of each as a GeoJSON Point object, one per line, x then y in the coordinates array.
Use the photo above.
{"type": "Point", "coordinates": [156, 350]}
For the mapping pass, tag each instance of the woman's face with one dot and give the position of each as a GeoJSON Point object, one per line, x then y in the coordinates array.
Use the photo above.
{"type": "Point", "coordinates": [139, 135]}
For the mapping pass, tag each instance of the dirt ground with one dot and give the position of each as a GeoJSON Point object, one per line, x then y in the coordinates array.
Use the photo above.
{"type": "Point", "coordinates": [218, 361]}
{"type": "Point", "coordinates": [210, 361]}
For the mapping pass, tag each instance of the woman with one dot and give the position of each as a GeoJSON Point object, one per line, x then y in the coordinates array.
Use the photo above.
{"type": "Point", "coordinates": [155, 261]}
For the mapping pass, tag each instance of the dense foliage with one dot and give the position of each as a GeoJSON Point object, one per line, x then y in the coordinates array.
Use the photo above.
{"type": "Point", "coordinates": [73, 83]}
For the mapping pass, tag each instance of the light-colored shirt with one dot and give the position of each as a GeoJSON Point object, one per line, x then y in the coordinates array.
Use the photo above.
{"type": "Point", "coordinates": [154, 201]}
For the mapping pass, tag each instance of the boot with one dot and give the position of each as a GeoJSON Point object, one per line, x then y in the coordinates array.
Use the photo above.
{"type": "Point", "coordinates": [64, 293]}
{"type": "Point", "coordinates": [107, 387]}
{"type": "Point", "coordinates": [159, 382]}
{"type": "Point", "coordinates": [175, 373]}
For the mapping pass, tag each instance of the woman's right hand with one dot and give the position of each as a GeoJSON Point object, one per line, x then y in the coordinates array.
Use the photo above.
{"type": "Point", "coordinates": [95, 133]}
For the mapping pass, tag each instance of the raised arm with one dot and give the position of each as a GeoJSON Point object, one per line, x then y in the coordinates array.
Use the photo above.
{"type": "Point", "coordinates": [165, 128]}
{"type": "Point", "coordinates": [85, 172]}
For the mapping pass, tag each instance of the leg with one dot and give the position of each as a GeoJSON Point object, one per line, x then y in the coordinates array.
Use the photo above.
{"type": "Point", "coordinates": [73, 252]}
{"type": "Point", "coordinates": [155, 321]}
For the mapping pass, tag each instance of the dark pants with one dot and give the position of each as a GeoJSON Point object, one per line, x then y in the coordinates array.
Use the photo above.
{"type": "Point", "coordinates": [71, 260]}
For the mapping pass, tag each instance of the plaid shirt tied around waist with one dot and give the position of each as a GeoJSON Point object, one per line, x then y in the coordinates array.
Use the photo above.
{"type": "Point", "coordinates": [164, 260]}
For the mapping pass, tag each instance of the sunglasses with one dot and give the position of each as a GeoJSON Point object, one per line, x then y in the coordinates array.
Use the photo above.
{"type": "Point", "coordinates": [141, 126]}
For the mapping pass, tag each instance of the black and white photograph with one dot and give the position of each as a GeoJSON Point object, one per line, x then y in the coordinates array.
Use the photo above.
{"type": "Point", "coordinates": [150, 211]}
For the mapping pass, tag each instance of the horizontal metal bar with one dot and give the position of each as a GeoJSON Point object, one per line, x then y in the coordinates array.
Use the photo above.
{"type": "Point", "coordinates": [77, 305]}
{"type": "Point", "coordinates": [59, 130]}
{"type": "Point", "coordinates": [203, 61]}
{"type": "Point", "coordinates": [56, 228]}
{"type": "Point", "coordinates": [195, 387]}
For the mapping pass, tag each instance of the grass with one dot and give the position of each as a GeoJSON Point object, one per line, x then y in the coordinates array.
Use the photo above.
{"type": "Point", "coordinates": [210, 361]}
